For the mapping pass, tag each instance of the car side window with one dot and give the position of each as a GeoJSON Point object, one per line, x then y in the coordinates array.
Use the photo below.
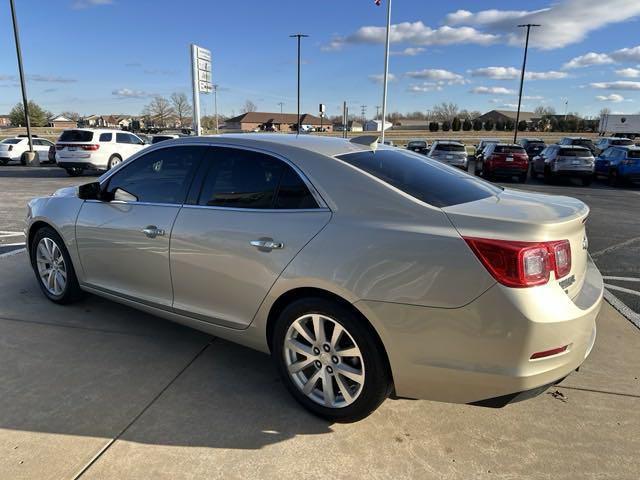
{"type": "Point", "coordinates": [105, 137]}
{"type": "Point", "coordinates": [161, 176]}
{"type": "Point", "coordinates": [245, 179]}
{"type": "Point", "coordinates": [133, 139]}
{"type": "Point", "coordinates": [123, 138]}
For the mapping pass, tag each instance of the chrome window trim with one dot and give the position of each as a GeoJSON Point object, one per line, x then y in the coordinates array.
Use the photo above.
{"type": "Point", "coordinates": [314, 192]}
{"type": "Point", "coordinates": [265, 210]}
{"type": "Point", "coordinates": [152, 204]}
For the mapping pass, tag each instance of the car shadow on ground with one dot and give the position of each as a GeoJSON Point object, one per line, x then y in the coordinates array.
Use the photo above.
{"type": "Point", "coordinates": [91, 368]}
{"type": "Point", "coordinates": [43, 171]}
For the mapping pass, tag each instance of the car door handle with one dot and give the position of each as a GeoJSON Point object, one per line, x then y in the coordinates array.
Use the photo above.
{"type": "Point", "coordinates": [267, 244]}
{"type": "Point", "coordinates": [152, 231]}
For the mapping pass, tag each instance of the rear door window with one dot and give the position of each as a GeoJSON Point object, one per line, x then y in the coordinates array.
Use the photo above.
{"type": "Point", "coordinates": [424, 179]}
{"type": "Point", "coordinates": [575, 152]}
{"type": "Point", "coordinates": [106, 137]}
{"type": "Point", "coordinates": [633, 154]}
{"type": "Point", "coordinates": [123, 138]}
{"type": "Point", "coordinates": [450, 147]}
{"type": "Point", "coordinates": [76, 136]}
{"type": "Point", "coordinates": [621, 142]}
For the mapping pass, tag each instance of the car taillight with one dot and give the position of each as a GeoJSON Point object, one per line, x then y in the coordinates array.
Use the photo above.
{"type": "Point", "coordinates": [90, 147]}
{"type": "Point", "coordinates": [522, 264]}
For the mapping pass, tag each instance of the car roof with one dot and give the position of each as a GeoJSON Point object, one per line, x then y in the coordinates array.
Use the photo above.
{"type": "Point", "coordinates": [578, 138]}
{"type": "Point", "coordinates": [533, 139]}
{"type": "Point", "coordinates": [454, 142]}
{"type": "Point", "coordinates": [329, 146]}
{"type": "Point", "coordinates": [626, 147]}
{"type": "Point", "coordinates": [614, 138]}
{"type": "Point", "coordinates": [501, 144]}
{"type": "Point", "coordinates": [574, 147]}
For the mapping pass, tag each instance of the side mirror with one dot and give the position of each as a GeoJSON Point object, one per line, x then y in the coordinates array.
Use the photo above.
{"type": "Point", "coordinates": [91, 191]}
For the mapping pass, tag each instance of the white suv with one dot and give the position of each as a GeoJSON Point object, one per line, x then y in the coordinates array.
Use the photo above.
{"type": "Point", "coordinates": [13, 149]}
{"type": "Point", "coordinates": [82, 149]}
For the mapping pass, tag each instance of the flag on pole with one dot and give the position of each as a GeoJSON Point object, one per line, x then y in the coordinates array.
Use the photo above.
{"type": "Point", "coordinates": [377, 2]}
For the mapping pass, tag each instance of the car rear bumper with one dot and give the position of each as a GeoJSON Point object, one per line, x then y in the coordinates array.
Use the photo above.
{"type": "Point", "coordinates": [573, 173]}
{"type": "Point", "coordinates": [482, 351]}
{"type": "Point", "coordinates": [62, 163]}
{"type": "Point", "coordinates": [510, 170]}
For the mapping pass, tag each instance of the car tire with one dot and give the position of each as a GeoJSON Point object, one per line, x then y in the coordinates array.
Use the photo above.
{"type": "Point", "coordinates": [522, 178]}
{"type": "Point", "coordinates": [586, 181]}
{"type": "Point", "coordinates": [53, 267]}
{"type": "Point", "coordinates": [114, 161]}
{"type": "Point", "coordinates": [547, 175]}
{"type": "Point", "coordinates": [614, 178]}
{"type": "Point", "coordinates": [352, 399]}
{"type": "Point", "coordinates": [23, 159]}
{"type": "Point", "coordinates": [74, 172]}
{"type": "Point", "coordinates": [4, 162]}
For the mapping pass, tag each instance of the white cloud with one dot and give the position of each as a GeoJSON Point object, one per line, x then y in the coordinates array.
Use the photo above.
{"type": "Point", "coordinates": [614, 97]}
{"type": "Point", "coordinates": [36, 77]}
{"type": "Point", "coordinates": [415, 33]}
{"type": "Point", "coordinates": [129, 93]}
{"type": "Point", "coordinates": [492, 91]}
{"type": "Point", "coordinates": [513, 105]}
{"type": "Point", "coordinates": [629, 72]}
{"type": "Point", "coordinates": [80, 4]}
{"type": "Point", "coordinates": [588, 59]}
{"type": "Point", "coordinates": [438, 74]}
{"type": "Point", "coordinates": [627, 54]}
{"type": "Point", "coordinates": [424, 87]}
{"type": "Point", "coordinates": [618, 85]}
{"type": "Point", "coordinates": [563, 23]}
{"type": "Point", "coordinates": [379, 77]}
{"type": "Point", "coordinates": [511, 73]}
{"type": "Point", "coordinates": [409, 52]}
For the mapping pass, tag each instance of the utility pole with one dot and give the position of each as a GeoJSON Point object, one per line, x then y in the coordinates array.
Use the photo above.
{"type": "Point", "coordinates": [377, 112]}
{"type": "Point", "coordinates": [524, 66]}
{"type": "Point", "coordinates": [281, 104]}
{"type": "Point", "coordinates": [298, 36]}
{"type": "Point", "coordinates": [215, 104]}
{"type": "Point", "coordinates": [23, 86]}
{"type": "Point", "coordinates": [566, 109]}
{"type": "Point", "coordinates": [345, 120]}
{"type": "Point", "coordinates": [363, 112]}
{"type": "Point", "coordinates": [386, 70]}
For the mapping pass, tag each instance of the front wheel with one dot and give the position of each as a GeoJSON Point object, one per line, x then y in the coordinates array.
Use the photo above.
{"type": "Point", "coordinates": [522, 177]}
{"type": "Point", "coordinates": [74, 172]}
{"type": "Point", "coordinates": [586, 181]}
{"type": "Point", "coordinates": [548, 176]}
{"type": "Point", "coordinates": [330, 360]}
{"type": "Point", "coordinates": [114, 161]}
{"type": "Point", "coordinates": [53, 268]}
{"type": "Point", "coordinates": [614, 178]}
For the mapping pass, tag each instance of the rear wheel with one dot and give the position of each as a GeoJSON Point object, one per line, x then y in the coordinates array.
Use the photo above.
{"type": "Point", "coordinates": [23, 159]}
{"type": "Point", "coordinates": [548, 176]}
{"type": "Point", "coordinates": [73, 172]}
{"type": "Point", "coordinates": [4, 161]}
{"type": "Point", "coordinates": [329, 360]}
{"type": "Point", "coordinates": [522, 177]}
{"type": "Point", "coordinates": [586, 181]}
{"type": "Point", "coordinates": [53, 268]}
{"type": "Point", "coordinates": [114, 161]}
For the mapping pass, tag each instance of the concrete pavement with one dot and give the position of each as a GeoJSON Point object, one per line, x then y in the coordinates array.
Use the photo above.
{"type": "Point", "coordinates": [97, 390]}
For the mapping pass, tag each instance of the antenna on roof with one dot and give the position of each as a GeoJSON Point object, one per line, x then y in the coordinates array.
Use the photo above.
{"type": "Point", "coordinates": [367, 140]}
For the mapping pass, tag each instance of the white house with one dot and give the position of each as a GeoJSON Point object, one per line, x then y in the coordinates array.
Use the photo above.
{"type": "Point", "coordinates": [376, 125]}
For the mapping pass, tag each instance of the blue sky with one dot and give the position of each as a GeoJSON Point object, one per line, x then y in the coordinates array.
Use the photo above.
{"type": "Point", "coordinates": [111, 56]}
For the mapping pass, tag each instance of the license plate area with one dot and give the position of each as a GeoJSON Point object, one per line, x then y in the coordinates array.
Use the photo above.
{"type": "Point", "coordinates": [509, 159]}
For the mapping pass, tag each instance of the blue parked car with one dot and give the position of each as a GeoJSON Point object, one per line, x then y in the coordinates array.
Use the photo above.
{"type": "Point", "coordinates": [619, 164]}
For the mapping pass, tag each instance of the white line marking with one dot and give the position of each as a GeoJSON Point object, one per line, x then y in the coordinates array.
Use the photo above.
{"type": "Point", "coordinates": [9, 235]}
{"type": "Point", "coordinates": [614, 247]}
{"type": "Point", "coordinates": [626, 312]}
{"type": "Point", "coordinates": [13, 252]}
{"type": "Point", "coordinates": [622, 279]}
{"type": "Point", "coordinates": [622, 289]}
{"type": "Point", "coordinates": [6, 232]}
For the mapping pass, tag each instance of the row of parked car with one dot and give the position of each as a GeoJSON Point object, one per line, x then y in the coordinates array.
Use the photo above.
{"type": "Point", "coordinates": [613, 158]}
{"type": "Point", "coordinates": [81, 149]}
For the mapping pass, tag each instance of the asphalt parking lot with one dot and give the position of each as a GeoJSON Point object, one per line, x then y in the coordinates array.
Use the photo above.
{"type": "Point", "coordinates": [98, 390]}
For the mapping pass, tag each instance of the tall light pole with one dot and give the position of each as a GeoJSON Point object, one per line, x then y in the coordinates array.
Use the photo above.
{"type": "Point", "coordinates": [298, 36]}
{"type": "Point", "coordinates": [215, 104]}
{"type": "Point", "coordinates": [524, 65]}
{"type": "Point", "coordinates": [386, 70]}
{"type": "Point", "coordinates": [281, 104]}
{"type": "Point", "coordinates": [21, 71]}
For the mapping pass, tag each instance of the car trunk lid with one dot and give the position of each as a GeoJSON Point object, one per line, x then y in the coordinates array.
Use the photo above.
{"type": "Point", "coordinates": [529, 217]}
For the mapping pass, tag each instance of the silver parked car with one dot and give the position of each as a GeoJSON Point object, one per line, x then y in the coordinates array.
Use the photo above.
{"type": "Point", "coordinates": [363, 269]}
{"type": "Point", "coordinates": [449, 152]}
{"type": "Point", "coordinates": [564, 161]}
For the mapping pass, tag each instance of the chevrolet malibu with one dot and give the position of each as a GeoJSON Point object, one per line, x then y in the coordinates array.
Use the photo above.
{"type": "Point", "coordinates": [364, 270]}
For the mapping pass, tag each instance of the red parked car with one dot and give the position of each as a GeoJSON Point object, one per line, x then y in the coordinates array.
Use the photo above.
{"type": "Point", "coordinates": [504, 160]}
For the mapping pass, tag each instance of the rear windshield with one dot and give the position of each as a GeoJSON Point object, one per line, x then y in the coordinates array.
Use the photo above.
{"type": "Point", "coordinates": [424, 179]}
{"type": "Point", "coordinates": [574, 152]}
{"type": "Point", "coordinates": [625, 141]}
{"type": "Point", "coordinates": [76, 136]}
{"type": "Point", "coordinates": [450, 147]}
{"type": "Point", "coordinates": [417, 144]}
{"type": "Point", "coordinates": [160, 139]}
{"type": "Point", "coordinates": [508, 149]}
{"type": "Point", "coordinates": [12, 141]}
{"type": "Point", "coordinates": [583, 143]}
{"type": "Point", "coordinates": [531, 143]}
{"type": "Point", "coordinates": [633, 154]}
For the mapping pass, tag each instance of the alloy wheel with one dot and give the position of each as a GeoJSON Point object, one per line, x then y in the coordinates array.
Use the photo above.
{"type": "Point", "coordinates": [51, 266]}
{"type": "Point", "coordinates": [324, 361]}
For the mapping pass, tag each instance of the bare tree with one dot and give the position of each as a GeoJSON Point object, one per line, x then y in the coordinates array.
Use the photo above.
{"type": "Point", "coordinates": [605, 111]}
{"type": "Point", "coordinates": [445, 111]}
{"type": "Point", "coordinates": [75, 116]}
{"type": "Point", "coordinates": [159, 110]}
{"type": "Point", "coordinates": [542, 111]}
{"type": "Point", "coordinates": [248, 106]}
{"type": "Point", "coordinates": [181, 107]}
